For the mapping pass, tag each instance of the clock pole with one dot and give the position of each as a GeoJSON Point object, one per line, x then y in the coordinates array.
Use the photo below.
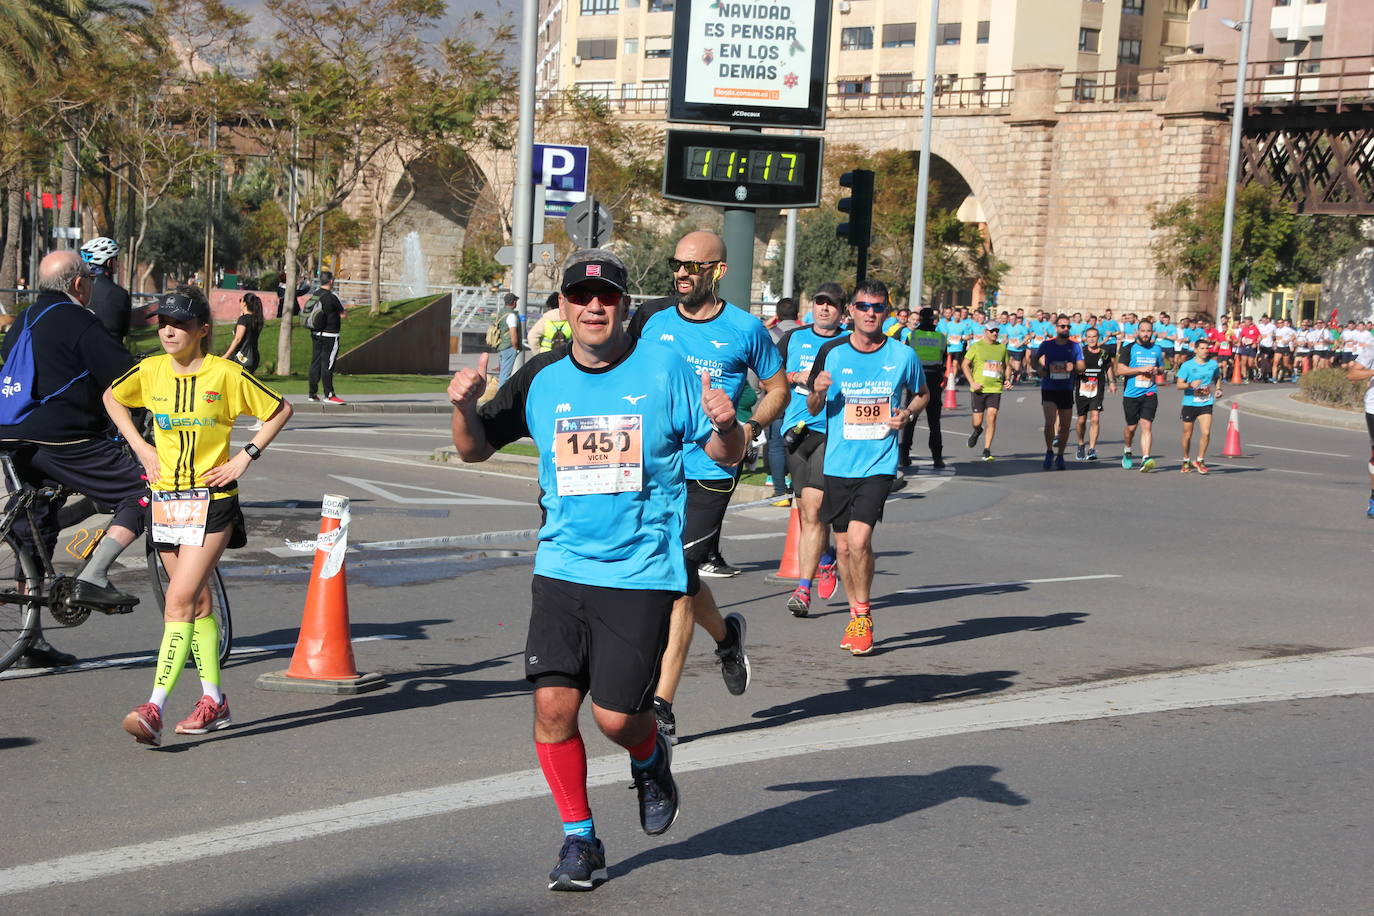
{"type": "Point", "coordinates": [737, 284]}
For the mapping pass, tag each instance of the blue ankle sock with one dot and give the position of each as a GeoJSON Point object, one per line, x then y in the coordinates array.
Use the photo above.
{"type": "Point", "coordinates": [580, 828]}
{"type": "Point", "coordinates": [828, 557]}
{"type": "Point", "coordinates": [804, 583]}
{"type": "Point", "coordinates": [645, 764]}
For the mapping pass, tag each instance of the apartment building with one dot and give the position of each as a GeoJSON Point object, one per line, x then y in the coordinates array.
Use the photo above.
{"type": "Point", "coordinates": [621, 48]}
{"type": "Point", "coordinates": [1288, 34]}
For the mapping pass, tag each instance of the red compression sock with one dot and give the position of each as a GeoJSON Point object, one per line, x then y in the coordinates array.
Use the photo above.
{"type": "Point", "coordinates": [644, 749]}
{"type": "Point", "coordinates": [565, 768]}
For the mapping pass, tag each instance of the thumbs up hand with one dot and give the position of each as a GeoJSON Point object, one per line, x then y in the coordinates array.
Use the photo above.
{"type": "Point", "coordinates": [719, 409]}
{"type": "Point", "coordinates": [468, 385]}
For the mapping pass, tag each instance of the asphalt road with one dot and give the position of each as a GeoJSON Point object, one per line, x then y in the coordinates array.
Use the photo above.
{"type": "Point", "coordinates": [1093, 691]}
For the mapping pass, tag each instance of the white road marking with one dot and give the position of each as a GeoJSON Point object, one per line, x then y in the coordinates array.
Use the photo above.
{"type": "Point", "coordinates": [754, 537]}
{"type": "Point", "coordinates": [1329, 674]}
{"type": "Point", "coordinates": [1300, 451]}
{"type": "Point", "coordinates": [1267, 470]}
{"type": "Point", "coordinates": [928, 589]}
{"type": "Point", "coordinates": [123, 660]}
{"type": "Point", "coordinates": [433, 497]}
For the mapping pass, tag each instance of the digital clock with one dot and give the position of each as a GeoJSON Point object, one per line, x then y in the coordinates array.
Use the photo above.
{"type": "Point", "coordinates": [741, 169]}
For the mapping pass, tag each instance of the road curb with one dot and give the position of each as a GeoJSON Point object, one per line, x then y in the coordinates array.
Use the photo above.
{"type": "Point", "coordinates": [1264, 404]}
{"type": "Point", "coordinates": [312, 407]}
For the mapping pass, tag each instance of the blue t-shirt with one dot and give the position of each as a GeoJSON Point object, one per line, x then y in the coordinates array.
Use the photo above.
{"type": "Point", "coordinates": [1059, 359]}
{"type": "Point", "coordinates": [1109, 328]}
{"type": "Point", "coordinates": [863, 393]}
{"type": "Point", "coordinates": [1206, 373]}
{"type": "Point", "coordinates": [954, 330]}
{"type": "Point", "coordinates": [1076, 329]}
{"type": "Point", "coordinates": [798, 349]}
{"type": "Point", "coordinates": [1016, 334]}
{"type": "Point", "coordinates": [889, 323]}
{"type": "Point", "coordinates": [1134, 356]}
{"type": "Point", "coordinates": [1040, 332]}
{"type": "Point", "coordinates": [1127, 331]}
{"type": "Point", "coordinates": [611, 444]}
{"type": "Point", "coordinates": [728, 346]}
{"type": "Point", "coordinates": [1193, 335]}
{"type": "Point", "coordinates": [1164, 335]}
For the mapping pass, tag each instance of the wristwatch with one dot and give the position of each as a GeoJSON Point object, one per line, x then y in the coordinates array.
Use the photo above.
{"type": "Point", "coordinates": [756, 427]}
{"type": "Point", "coordinates": [253, 451]}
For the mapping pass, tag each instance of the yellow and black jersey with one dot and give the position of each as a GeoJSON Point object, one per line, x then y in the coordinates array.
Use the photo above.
{"type": "Point", "coordinates": [194, 414]}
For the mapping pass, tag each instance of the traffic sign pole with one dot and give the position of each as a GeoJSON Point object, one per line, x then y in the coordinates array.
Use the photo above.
{"type": "Point", "coordinates": [524, 160]}
{"type": "Point", "coordinates": [736, 285]}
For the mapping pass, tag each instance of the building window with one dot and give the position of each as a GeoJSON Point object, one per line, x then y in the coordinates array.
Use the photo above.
{"type": "Point", "coordinates": [1087, 40]}
{"type": "Point", "coordinates": [1314, 53]}
{"type": "Point", "coordinates": [1202, 4]}
{"type": "Point", "coordinates": [631, 47]}
{"type": "Point", "coordinates": [1133, 7]}
{"type": "Point", "coordinates": [629, 91]}
{"type": "Point", "coordinates": [658, 46]}
{"type": "Point", "coordinates": [598, 89]}
{"type": "Point", "coordinates": [660, 6]}
{"type": "Point", "coordinates": [854, 85]}
{"type": "Point", "coordinates": [596, 48]}
{"type": "Point", "coordinates": [655, 89]}
{"type": "Point", "coordinates": [948, 33]}
{"type": "Point", "coordinates": [984, 30]}
{"type": "Point", "coordinates": [1084, 90]}
{"type": "Point", "coordinates": [859, 38]}
{"type": "Point", "coordinates": [600, 7]}
{"type": "Point", "coordinates": [899, 35]}
{"type": "Point", "coordinates": [1128, 51]}
{"type": "Point", "coordinates": [895, 84]}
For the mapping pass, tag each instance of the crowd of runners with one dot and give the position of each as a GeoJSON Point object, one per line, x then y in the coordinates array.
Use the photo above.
{"type": "Point", "coordinates": [638, 425]}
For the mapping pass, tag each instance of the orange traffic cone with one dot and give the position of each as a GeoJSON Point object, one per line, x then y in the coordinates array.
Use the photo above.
{"type": "Point", "coordinates": [951, 400]}
{"type": "Point", "coordinates": [1232, 449]}
{"type": "Point", "coordinates": [788, 569]}
{"type": "Point", "coordinates": [1236, 377]}
{"type": "Point", "coordinates": [323, 660]}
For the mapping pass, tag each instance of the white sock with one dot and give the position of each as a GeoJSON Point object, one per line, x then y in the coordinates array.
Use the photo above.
{"type": "Point", "coordinates": [211, 690]}
{"type": "Point", "coordinates": [158, 697]}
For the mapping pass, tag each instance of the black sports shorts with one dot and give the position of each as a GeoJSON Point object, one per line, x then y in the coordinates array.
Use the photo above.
{"type": "Point", "coordinates": [707, 501]}
{"type": "Point", "coordinates": [1061, 398]}
{"type": "Point", "coordinates": [223, 513]}
{"type": "Point", "coordinates": [854, 499]}
{"type": "Point", "coordinates": [607, 642]}
{"type": "Point", "coordinates": [805, 463]}
{"type": "Point", "coordinates": [1140, 408]}
{"type": "Point", "coordinates": [983, 400]}
{"type": "Point", "coordinates": [1191, 412]}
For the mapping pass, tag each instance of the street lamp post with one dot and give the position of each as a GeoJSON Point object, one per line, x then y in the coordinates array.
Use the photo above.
{"type": "Point", "coordinates": [1233, 162]}
{"type": "Point", "coordinates": [918, 241]}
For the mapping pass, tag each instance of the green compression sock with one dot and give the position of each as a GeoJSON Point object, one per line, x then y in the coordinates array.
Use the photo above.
{"type": "Point", "coordinates": [205, 648]}
{"type": "Point", "coordinates": [171, 658]}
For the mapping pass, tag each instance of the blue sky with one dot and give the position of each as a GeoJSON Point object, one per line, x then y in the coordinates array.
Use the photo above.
{"type": "Point", "coordinates": [457, 9]}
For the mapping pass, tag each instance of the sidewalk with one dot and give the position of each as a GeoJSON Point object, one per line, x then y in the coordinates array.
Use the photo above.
{"type": "Point", "coordinates": [433, 402]}
{"type": "Point", "coordinates": [1278, 403]}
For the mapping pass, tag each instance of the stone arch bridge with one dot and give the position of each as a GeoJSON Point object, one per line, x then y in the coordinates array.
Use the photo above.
{"type": "Point", "coordinates": [1061, 169]}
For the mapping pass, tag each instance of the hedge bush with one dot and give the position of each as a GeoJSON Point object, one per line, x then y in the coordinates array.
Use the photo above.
{"type": "Point", "coordinates": [1332, 388]}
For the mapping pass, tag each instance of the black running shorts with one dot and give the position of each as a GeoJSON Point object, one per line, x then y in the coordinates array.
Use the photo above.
{"type": "Point", "coordinates": [806, 462]}
{"type": "Point", "coordinates": [707, 501]}
{"type": "Point", "coordinates": [1140, 408]}
{"type": "Point", "coordinates": [607, 642]}
{"type": "Point", "coordinates": [982, 401]}
{"type": "Point", "coordinates": [857, 499]}
{"type": "Point", "coordinates": [1192, 412]}
{"type": "Point", "coordinates": [1085, 406]}
{"type": "Point", "coordinates": [223, 513]}
{"type": "Point", "coordinates": [1061, 398]}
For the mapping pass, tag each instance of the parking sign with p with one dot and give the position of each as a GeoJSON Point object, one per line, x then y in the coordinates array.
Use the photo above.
{"type": "Point", "coordinates": [563, 171]}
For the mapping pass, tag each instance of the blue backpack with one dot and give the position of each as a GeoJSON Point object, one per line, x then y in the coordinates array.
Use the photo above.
{"type": "Point", "coordinates": [16, 377]}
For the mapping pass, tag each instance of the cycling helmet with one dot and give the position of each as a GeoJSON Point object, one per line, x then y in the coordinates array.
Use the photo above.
{"type": "Point", "coordinates": [99, 250]}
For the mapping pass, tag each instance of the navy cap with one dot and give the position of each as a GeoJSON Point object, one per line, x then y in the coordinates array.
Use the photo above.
{"type": "Point", "coordinates": [608, 272]}
{"type": "Point", "coordinates": [179, 308]}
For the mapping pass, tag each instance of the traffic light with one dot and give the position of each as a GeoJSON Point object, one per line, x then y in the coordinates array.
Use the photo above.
{"type": "Point", "coordinates": [859, 208]}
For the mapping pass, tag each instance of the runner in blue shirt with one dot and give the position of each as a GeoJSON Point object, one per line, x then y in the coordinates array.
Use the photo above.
{"type": "Point", "coordinates": [727, 342]}
{"type": "Point", "coordinates": [610, 417]}
{"type": "Point", "coordinates": [1016, 333]}
{"type": "Point", "coordinates": [1060, 362]}
{"type": "Point", "coordinates": [1137, 365]}
{"type": "Point", "coordinates": [1109, 329]}
{"type": "Point", "coordinates": [1076, 327]}
{"type": "Point", "coordinates": [1165, 332]}
{"type": "Point", "coordinates": [1200, 381]}
{"type": "Point", "coordinates": [956, 335]}
{"type": "Point", "coordinates": [805, 440]}
{"type": "Point", "coordinates": [856, 381]}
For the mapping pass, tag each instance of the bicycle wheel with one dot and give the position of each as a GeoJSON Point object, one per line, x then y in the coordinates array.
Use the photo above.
{"type": "Point", "coordinates": [219, 598]}
{"type": "Point", "coordinates": [19, 601]}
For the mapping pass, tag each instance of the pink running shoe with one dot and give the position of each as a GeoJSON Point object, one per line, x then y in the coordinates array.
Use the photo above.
{"type": "Point", "coordinates": [208, 716]}
{"type": "Point", "coordinates": [145, 724]}
{"type": "Point", "coordinates": [826, 580]}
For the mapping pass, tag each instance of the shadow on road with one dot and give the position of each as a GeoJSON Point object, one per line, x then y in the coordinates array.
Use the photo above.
{"type": "Point", "coordinates": [429, 686]}
{"type": "Point", "coordinates": [869, 694]}
{"type": "Point", "coordinates": [7, 744]}
{"type": "Point", "coordinates": [403, 630]}
{"type": "Point", "coordinates": [980, 627]}
{"type": "Point", "coordinates": [832, 807]}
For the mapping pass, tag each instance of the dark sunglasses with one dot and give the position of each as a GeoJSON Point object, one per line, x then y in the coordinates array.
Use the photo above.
{"type": "Point", "coordinates": [583, 294]}
{"type": "Point", "coordinates": [1061, 326]}
{"type": "Point", "coordinates": [869, 306]}
{"type": "Point", "coordinates": [693, 267]}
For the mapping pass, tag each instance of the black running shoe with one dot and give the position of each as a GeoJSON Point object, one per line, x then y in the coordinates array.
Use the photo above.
{"type": "Point", "coordinates": [715, 567]}
{"type": "Point", "coordinates": [734, 659]}
{"type": "Point", "coordinates": [667, 722]}
{"type": "Point", "coordinates": [974, 436]}
{"type": "Point", "coordinates": [658, 797]}
{"type": "Point", "coordinates": [581, 865]}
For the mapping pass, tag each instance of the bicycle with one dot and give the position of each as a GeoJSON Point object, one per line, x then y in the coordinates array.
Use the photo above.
{"type": "Point", "coordinates": [36, 584]}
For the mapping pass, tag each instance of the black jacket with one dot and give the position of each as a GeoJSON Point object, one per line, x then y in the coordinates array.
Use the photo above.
{"type": "Point", "coordinates": [68, 341]}
{"type": "Point", "coordinates": [112, 304]}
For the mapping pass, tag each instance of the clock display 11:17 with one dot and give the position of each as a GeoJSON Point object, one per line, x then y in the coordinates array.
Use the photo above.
{"type": "Point", "coordinates": [751, 166]}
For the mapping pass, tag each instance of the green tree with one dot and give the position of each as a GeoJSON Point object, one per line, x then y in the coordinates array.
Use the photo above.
{"type": "Point", "coordinates": [175, 235]}
{"type": "Point", "coordinates": [1271, 246]}
{"type": "Point", "coordinates": [821, 256]}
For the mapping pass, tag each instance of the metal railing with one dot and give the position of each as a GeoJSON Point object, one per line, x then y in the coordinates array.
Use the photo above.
{"type": "Point", "coordinates": [1112, 87]}
{"type": "Point", "coordinates": [1338, 81]}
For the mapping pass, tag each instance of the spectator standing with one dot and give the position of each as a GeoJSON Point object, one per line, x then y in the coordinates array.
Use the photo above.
{"type": "Point", "coordinates": [509, 347]}
{"type": "Point", "coordinates": [243, 349]}
{"type": "Point", "coordinates": [325, 343]}
{"type": "Point", "coordinates": [110, 302]}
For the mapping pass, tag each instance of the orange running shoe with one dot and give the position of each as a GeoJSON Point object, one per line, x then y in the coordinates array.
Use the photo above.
{"type": "Point", "coordinates": [1201, 468]}
{"type": "Point", "coordinates": [208, 716]}
{"type": "Point", "coordinates": [145, 724]}
{"type": "Point", "coordinates": [858, 636]}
